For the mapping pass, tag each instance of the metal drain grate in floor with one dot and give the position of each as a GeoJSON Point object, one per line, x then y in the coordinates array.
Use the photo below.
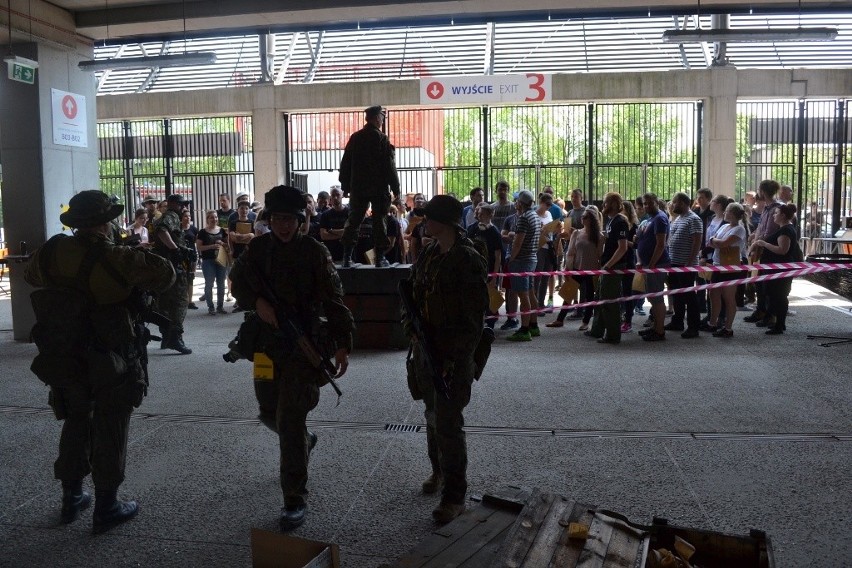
{"type": "Point", "coordinates": [405, 428]}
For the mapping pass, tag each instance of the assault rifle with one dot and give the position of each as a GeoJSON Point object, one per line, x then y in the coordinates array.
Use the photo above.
{"type": "Point", "coordinates": [142, 305]}
{"type": "Point", "coordinates": [406, 293]}
{"type": "Point", "coordinates": [292, 334]}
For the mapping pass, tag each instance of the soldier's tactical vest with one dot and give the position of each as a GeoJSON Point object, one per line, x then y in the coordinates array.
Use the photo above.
{"type": "Point", "coordinates": [77, 339]}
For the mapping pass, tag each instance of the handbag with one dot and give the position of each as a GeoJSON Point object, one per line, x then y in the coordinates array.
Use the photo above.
{"type": "Point", "coordinates": [495, 299]}
{"type": "Point", "coordinates": [223, 257]}
{"type": "Point", "coordinates": [729, 256]}
{"type": "Point", "coordinates": [568, 290]}
{"type": "Point", "coordinates": [638, 282]}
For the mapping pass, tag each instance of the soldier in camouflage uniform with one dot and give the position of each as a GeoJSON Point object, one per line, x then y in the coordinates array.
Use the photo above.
{"type": "Point", "coordinates": [91, 349]}
{"type": "Point", "coordinates": [367, 171]}
{"type": "Point", "coordinates": [449, 280]}
{"type": "Point", "coordinates": [299, 271]}
{"type": "Point", "coordinates": [169, 243]}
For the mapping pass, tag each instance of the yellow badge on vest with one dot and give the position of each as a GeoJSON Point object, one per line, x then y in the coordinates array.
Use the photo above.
{"type": "Point", "coordinates": [263, 370]}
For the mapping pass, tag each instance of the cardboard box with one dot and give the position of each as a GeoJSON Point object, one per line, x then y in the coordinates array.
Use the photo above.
{"type": "Point", "coordinates": [276, 550]}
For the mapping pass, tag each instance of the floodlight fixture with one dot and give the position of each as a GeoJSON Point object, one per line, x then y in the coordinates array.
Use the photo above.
{"type": "Point", "coordinates": [173, 60]}
{"type": "Point", "coordinates": [749, 35]}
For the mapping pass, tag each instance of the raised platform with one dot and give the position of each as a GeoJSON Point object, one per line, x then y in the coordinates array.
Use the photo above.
{"type": "Point", "coordinates": [372, 296]}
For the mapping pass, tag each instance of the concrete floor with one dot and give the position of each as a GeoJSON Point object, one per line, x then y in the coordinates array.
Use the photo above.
{"type": "Point", "coordinates": [753, 432]}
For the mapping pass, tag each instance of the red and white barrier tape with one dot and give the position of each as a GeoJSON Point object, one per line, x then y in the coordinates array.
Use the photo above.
{"type": "Point", "coordinates": [812, 268]}
{"type": "Point", "coordinates": [708, 268]}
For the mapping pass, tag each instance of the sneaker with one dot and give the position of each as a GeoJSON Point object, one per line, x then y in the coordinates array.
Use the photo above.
{"type": "Point", "coordinates": [549, 304]}
{"type": "Point", "coordinates": [590, 334]}
{"type": "Point", "coordinates": [228, 298]}
{"type": "Point", "coordinates": [648, 323]}
{"type": "Point", "coordinates": [639, 311]}
{"type": "Point", "coordinates": [690, 334]}
{"type": "Point", "coordinates": [511, 323]}
{"type": "Point", "coordinates": [754, 317]}
{"type": "Point", "coordinates": [653, 336]}
{"type": "Point", "coordinates": [191, 306]}
{"type": "Point", "coordinates": [768, 321]}
{"type": "Point", "coordinates": [626, 328]}
{"type": "Point", "coordinates": [211, 312]}
{"type": "Point", "coordinates": [705, 326]}
{"type": "Point", "coordinates": [221, 310]}
{"type": "Point", "coordinates": [556, 323]}
{"type": "Point", "coordinates": [773, 330]}
{"type": "Point", "coordinates": [535, 331]}
{"type": "Point", "coordinates": [673, 327]}
{"type": "Point", "coordinates": [520, 336]}
{"type": "Point", "coordinates": [583, 327]}
{"type": "Point", "coordinates": [722, 332]}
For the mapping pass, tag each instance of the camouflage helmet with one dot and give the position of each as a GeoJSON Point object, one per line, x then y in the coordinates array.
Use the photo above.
{"type": "Point", "coordinates": [90, 208]}
{"type": "Point", "coordinates": [285, 199]}
{"type": "Point", "coordinates": [444, 209]}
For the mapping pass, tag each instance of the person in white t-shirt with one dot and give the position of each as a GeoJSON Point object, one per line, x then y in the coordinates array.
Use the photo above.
{"type": "Point", "coordinates": [732, 238]}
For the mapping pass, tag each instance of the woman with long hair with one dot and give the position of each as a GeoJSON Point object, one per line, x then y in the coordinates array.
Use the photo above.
{"type": "Point", "coordinates": [210, 239]}
{"type": "Point", "coordinates": [138, 226]}
{"type": "Point", "coordinates": [780, 246]}
{"type": "Point", "coordinates": [630, 256]}
{"type": "Point", "coordinates": [584, 253]}
{"type": "Point", "coordinates": [728, 245]}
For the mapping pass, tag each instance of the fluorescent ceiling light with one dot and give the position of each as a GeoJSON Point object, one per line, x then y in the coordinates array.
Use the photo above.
{"type": "Point", "coordinates": [749, 35]}
{"type": "Point", "coordinates": [174, 60]}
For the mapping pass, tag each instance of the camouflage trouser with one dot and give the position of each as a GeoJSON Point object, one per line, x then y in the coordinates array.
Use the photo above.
{"type": "Point", "coordinates": [94, 434]}
{"type": "Point", "coordinates": [290, 397]}
{"type": "Point", "coordinates": [445, 436]}
{"type": "Point", "coordinates": [358, 205]}
{"type": "Point", "coordinates": [172, 303]}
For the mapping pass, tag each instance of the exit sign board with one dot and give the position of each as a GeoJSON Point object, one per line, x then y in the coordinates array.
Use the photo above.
{"type": "Point", "coordinates": [22, 73]}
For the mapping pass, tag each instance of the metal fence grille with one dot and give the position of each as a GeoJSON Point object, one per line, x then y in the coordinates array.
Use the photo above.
{"type": "Point", "coordinates": [198, 158]}
{"type": "Point", "coordinates": [645, 147]}
{"type": "Point", "coordinates": [803, 144]}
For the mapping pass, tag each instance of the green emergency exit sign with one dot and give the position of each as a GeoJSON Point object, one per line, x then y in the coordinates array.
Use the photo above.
{"type": "Point", "coordinates": [22, 73]}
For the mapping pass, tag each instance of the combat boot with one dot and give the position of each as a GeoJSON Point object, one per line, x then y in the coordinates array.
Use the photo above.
{"type": "Point", "coordinates": [292, 516]}
{"type": "Point", "coordinates": [446, 512]}
{"type": "Point", "coordinates": [432, 483]}
{"type": "Point", "coordinates": [109, 511]}
{"type": "Point", "coordinates": [381, 261]}
{"type": "Point", "coordinates": [174, 340]}
{"type": "Point", "coordinates": [347, 256]}
{"type": "Point", "coordinates": [74, 500]}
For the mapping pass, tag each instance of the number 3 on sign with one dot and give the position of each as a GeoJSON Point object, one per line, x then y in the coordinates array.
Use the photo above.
{"type": "Point", "coordinates": [536, 82]}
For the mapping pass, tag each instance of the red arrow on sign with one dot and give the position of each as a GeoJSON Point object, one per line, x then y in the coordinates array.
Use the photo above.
{"type": "Point", "coordinates": [69, 106]}
{"type": "Point", "coordinates": [435, 90]}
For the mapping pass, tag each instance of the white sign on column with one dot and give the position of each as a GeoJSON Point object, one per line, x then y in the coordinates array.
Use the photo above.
{"type": "Point", "coordinates": [69, 119]}
{"type": "Point", "coordinates": [531, 87]}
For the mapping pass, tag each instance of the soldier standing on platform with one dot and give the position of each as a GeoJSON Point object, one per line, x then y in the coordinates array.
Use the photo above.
{"type": "Point", "coordinates": [297, 271]}
{"type": "Point", "coordinates": [91, 343]}
{"type": "Point", "coordinates": [168, 242]}
{"type": "Point", "coordinates": [368, 176]}
{"type": "Point", "coordinates": [449, 283]}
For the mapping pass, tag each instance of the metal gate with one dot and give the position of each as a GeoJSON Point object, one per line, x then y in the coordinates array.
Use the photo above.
{"type": "Point", "coordinates": [645, 147]}
{"type": "Point", "coordinates": [803, 144]}
{"type": "Point", "coordinates": [198, 158]}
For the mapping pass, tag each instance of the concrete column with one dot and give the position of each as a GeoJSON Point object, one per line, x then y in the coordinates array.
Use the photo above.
{"type": "Point", "coordinates": [719, 141]}
{"type": "Point", "coordinates": [40, 177]}
{"type": "Point", "coordinates": [268, 142]}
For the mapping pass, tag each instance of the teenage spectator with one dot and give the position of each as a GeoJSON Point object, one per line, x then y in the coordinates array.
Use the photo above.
{"type": "Point", "coordinates": [780, 246]}
{"type": "Point", "coordinates": [190, 233]}
{"type": "Point", "coordinates": [394, 253]}
{"type": "Point", "coordinates": [584, 253]}
{"type": "Point", "coordinates": [766, 191]}
{"type": "Point", "coordinates": [138, 227]}
{"type": "Point", "coordinates": [606, 326]}
{"type": "Point", "coordinates": [323, 200]}
{"type": "Point", "coordinates": [685, 234]}
{"type": "Point", "coordinates": [332, 222]}
{"type": "Point", "coordinates": [311, 226]}
{"type": "Point", "coordinates": [523, 259]}
{"type": "Point", "coordinates": [503, 207]}
{"type": "Point", "coordinates": [507, 235]}
{"type": "Point", "coordinates": [630, 259]}
{"type": "Point", "coordinates": [730, 238]}
{"type": "Point", "coordinates": [485, 231]}
{"type": "Point", "coordinates": [243, 198]}
{"type": "Point", "coordinates": [477, 194]}
{"type": "Point", "coordinates": [210, 239]}
{"type": "Point", "coordinates": [240, 233]}
{"type": "Point", "coordinates": [702, 206]}
{"type": "Point", "coordinates": [652, 250]}
{"type": "Point", "coordinates": [546, 255]}
{"type": "Point", "coordinates": [223, 214]}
